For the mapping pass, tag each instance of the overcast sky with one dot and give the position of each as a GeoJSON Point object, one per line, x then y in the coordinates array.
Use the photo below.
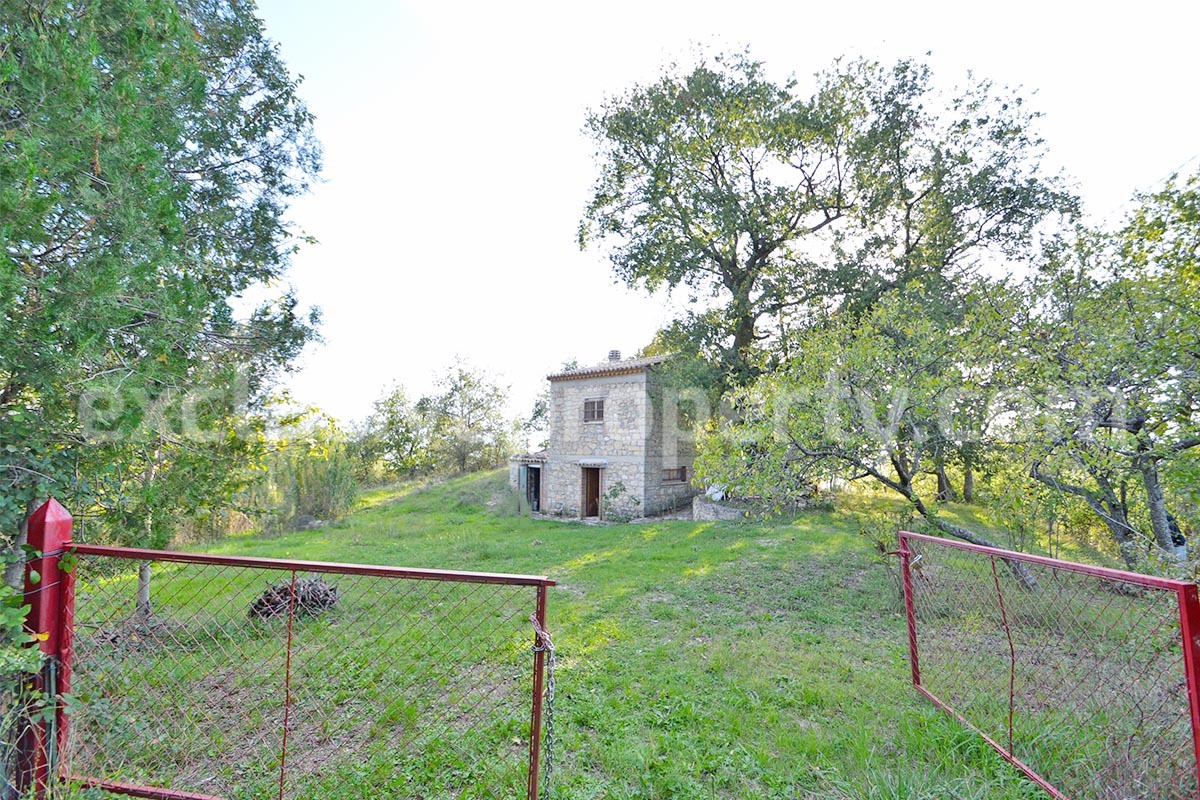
{"type": "Point", "coordinates": [456, 169]}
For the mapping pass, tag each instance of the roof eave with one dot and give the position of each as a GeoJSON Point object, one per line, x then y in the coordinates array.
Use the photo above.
{"type": "Point", "coordinates": [600, 373]}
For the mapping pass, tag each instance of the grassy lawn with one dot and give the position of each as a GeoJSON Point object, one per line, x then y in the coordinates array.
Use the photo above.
{"type": "Point", "coordinates": [697, 659]}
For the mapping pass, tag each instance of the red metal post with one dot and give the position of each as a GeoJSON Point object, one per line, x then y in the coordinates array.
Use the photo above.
{"type": "Point", "coordinates": [49, 533]}
{"type": "Point", "coordinates": [1189, 628]}
{"type": "Point", "coordinates": [909, 607]}
{"type": "Point", "coordinates": [66, 642]}
{"type": "Point", "coordinates": [287, 686]}
{"type": "Point", "coordinates": [535, 722]}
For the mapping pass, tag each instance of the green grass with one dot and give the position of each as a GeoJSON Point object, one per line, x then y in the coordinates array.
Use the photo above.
{"type": "Point", "coordinates": [696, 659]}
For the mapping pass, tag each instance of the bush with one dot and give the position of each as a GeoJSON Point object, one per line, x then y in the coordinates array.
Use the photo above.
{"type": "Point", "coordinates": [308, 474]}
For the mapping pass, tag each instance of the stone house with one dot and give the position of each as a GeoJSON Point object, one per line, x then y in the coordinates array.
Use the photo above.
{"type": "Point", "coordinates": [619, 447]}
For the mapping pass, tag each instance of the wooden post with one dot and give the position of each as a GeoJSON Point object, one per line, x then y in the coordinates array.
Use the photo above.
{"type": "Point", "coordinates": [48, 591]}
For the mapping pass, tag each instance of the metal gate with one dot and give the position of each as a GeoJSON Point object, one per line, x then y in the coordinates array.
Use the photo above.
{"type": "Point", "coordinates": [1085, 678]}
{"type": "Point", "coordinates": [176, 675]}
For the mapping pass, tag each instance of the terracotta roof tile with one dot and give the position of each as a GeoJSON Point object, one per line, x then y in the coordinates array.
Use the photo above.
{"type": "Point", "coordinates": [628, 365]}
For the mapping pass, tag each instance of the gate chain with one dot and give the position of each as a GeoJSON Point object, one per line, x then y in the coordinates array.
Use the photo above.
{"type": "Point", "coordinates": [545, 644]}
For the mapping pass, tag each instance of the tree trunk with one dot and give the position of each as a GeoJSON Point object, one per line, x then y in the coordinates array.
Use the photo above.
{"type": "Point", "coordinates": [945, 490]}
{"type": "Point", "coordinates": [739, 371]}
{"type": "Point", "coordinates": [1116, 517]}
{"type": "Point", "coordinates": [1122, 531]}
{"type": "Point", "coordinates": [14, 573]}
{"type": "Point", "coordinates": [968, 490]}
{"type": "Point", "coordinates": [1156, 502]}
{"type": "Point", "coordinates": [142, 610]}
{"type": "Point", "coordinates": [1114, 510]}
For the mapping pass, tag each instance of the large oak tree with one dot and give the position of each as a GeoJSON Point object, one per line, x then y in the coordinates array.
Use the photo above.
{"type": "Point", "coordinates": [767, 203]}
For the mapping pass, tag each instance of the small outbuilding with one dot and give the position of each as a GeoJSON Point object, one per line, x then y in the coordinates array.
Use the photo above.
{"type": "Point", "coordinates": [620, 446]}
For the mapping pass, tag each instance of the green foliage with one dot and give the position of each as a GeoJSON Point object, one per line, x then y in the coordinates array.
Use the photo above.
{"type": "Point", "coordinates": [1073, 392]}
{"type": "Point", "coordinates": [1037, 516]}
{"type": "Point", "coordinates": [145, 484]}
{"type": "Point", "coordinates": [460, 428]}
{"type": "Point", "coordinates": [873, 397]}
{"type": "Point", "coordinates": [768, 206]}
{"type": "Point", "coordinates": [308, 471]}
{"type": "Point", "coordinates": [148, 150]}
{"type": "Point", "coordinates": [17, 657]}
{"type": "Point", "coordinates": [394, 441]}
{"type": "Point", "coordinates": [706, 179]}
{"type": "Point", "coordinates": [1109, 370]}
{"type": "Point", "coordinates": [147, 155]}
{"type": "Point", "coordinates": [538, 422]}
{"type": "Point", "coordinates": [469, 431]}
{"type": "Point", "coordinates": [697, 351]}
{"type": "Point", "coordinates": [944, 183]}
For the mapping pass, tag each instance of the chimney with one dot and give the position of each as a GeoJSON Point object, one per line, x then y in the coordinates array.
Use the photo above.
{"type": "Point", "coordinates": [614, 355]}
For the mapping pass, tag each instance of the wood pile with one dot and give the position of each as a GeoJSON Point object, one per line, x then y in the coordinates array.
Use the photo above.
{"type": "Point", "coordinates": [313, 596]}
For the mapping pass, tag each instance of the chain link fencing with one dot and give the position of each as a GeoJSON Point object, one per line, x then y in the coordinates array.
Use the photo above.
{"type": "Point", "coordinates": [1085, 678]}
{"type": "Point", "coordinates": [247, 678]}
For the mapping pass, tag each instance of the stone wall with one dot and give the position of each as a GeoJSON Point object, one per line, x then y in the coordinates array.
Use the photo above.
{"type": "Point", "coordinates": [617, 444]}
{"type": "Point", "coordinates": [705, 509]}
{"type": "Point", "coordinates": [670, 444]}
{"type": "Point", "coordinates": [641, 435]}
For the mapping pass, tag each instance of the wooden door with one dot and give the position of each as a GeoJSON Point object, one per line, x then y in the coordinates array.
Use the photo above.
{"type": "Point", "coordinates": [591, 491]}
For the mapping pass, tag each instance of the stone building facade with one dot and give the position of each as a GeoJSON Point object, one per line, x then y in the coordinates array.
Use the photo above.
{"type": "Point", "coordinates": [618, 446]}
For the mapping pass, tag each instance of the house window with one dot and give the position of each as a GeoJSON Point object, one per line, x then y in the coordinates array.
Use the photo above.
{"type": "Point", "coordinates": [593, 410]}
{"type": "Point", "coordinates": [674, 475]}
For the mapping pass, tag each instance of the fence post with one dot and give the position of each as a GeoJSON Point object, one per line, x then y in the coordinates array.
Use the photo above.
{"type": "Point", "coordinates": [1189, 628]}
{"type": "Point", "coordinates": [48, 590]}
{"type": "Point", "coordinates": [909, 607]}
{"type": "Point", "coordinates": [535, 722]}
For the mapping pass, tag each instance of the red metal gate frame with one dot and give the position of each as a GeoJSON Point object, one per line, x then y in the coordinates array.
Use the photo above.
{"type": "Point", "coordinates": [1189, 627]}
{"type": "Point", "coordinates": [50, 594]}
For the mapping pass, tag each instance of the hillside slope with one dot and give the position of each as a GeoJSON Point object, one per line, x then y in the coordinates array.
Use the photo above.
{"type": "Point", "coordinates": [697, 660]}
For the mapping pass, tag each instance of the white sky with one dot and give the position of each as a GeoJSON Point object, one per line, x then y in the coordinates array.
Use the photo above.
{"type": "Point", "coordinates": [456, 169]}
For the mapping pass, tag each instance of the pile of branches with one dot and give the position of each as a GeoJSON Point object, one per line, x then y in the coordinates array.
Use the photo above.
{"type": "Point", "coordinates": [313, 596]}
